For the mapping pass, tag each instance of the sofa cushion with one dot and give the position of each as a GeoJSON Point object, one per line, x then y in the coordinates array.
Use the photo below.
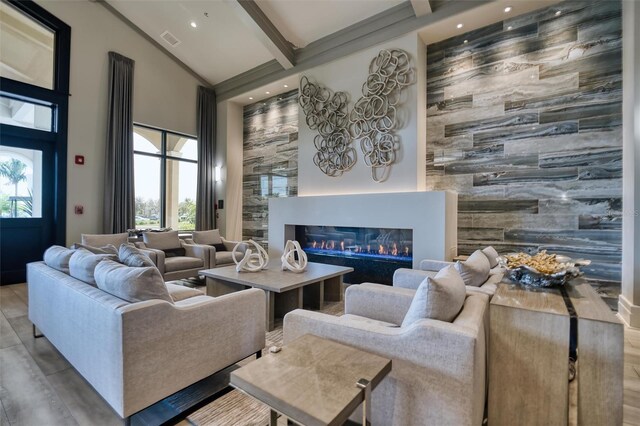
{"type": "Point", "coordinates": [492, 255]}
{"type": "Point", "coordinates": [211, 237]}
{"type": "Point", "coordinates": [173, 264]}
{"type": "Point", "coordinates": [226, 257]}
{"type": "Point", "coordinates": [83, 263]}
{"type": "Point", "coordinates": [108, 249]}
{"type": "Point", "coordinates": [101, 240]}
{"type": "Point", "coordinates": [161, 240]}
{"type": "Point", "coordinates": [179, 292]}
{"type": "Point", "coordinates": [475, 270]}
{"type": "Point", "coordinates": [132, 256]}
{"type": "Point", "coordinates": [440, 298]}
{"type": "Point", "coordinates": [173, 252]}
{"type": "Point", "coordinates": [57, 257]}
{"type": "Point", "coordinates": [131, 284]}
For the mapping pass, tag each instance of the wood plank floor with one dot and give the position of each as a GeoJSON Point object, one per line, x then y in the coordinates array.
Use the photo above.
{"type": "Point", "coordinates": [39, 387]}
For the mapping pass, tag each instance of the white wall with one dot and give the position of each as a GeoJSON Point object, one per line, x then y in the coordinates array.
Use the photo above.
{"type": "Point", "coordinates": [629, 306]}
{"type": "Point", "coordinates": [348, 74]}
{"type": "Point", "coordinates": [164, 96]}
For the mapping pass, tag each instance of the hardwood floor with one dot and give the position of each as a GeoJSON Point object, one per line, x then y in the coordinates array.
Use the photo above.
{"type": "Point", "coordinates": [39, 387]}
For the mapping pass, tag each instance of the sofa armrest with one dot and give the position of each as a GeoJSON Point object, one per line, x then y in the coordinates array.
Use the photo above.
{"type": "Point", "coordinates": [156, 256]}
{"type": "Point", "coordinates": [410, 278]}
{"type": "Point", "coordinates": [201, 251]}
{"type": "Point", "coordinates": [434, 265]}
{"type": "Point", "coordinates": [167, 347]}
{"type": "Point", "coordinates": [378, 301]}
{"type": "Point", "coordinates": [229, 245]}
{"type": "Point", "coordinates": [188, 240]}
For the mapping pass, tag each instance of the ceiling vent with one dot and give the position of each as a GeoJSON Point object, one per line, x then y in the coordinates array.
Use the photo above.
{"type": "Point", "coordinates": [170, 38]}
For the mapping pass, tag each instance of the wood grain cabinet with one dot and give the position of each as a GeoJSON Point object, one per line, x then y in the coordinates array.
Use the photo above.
{"type": "Point", "coordinates": [529, 335]}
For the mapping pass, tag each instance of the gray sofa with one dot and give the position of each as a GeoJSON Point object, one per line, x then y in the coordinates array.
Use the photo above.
{"type": "Point", "coordinates": [411, 278]}
{"type": "Point", "coordinates": [135, 354]}
{"type": "Point", "coordinates": [438, 368]}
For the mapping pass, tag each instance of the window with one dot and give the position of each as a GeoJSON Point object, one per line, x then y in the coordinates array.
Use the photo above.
{"type": "Point", "coordinates": [166, 173]}
{"type": "Point", "coordinates": [26, 48]}
{"type": "Point", "coordinates": [20, 113]}
{"type": "Point", "coordinates": [20, 183]}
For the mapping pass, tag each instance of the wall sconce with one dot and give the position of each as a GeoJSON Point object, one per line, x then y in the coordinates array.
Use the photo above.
{"type": "Point", "coordinates": [217, 173]}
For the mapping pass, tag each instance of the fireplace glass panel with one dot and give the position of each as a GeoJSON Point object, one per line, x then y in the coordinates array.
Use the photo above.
{"type": "Point", "coordinates": [374, 253]}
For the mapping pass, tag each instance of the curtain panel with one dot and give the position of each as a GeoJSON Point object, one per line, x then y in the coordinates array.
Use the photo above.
{"type": "Point", "coordinates": [205, 209]}
{"type": "Point", "coordinates": [119, 196]}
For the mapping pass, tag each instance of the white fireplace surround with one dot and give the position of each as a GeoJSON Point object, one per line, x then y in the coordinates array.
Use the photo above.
{"type": "Point", "coordinates": [432, 215]}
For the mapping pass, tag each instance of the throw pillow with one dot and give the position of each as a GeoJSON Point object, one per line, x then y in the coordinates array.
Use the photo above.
{"type": "Point", "coordinates": [100, 240]}
{"type": "Point", "coordinates": [161, 240]}
{"type": "Point", "coordinates": [475, 270]}
{"type": "Point", "coordinates": [57, 257]}
{"type": "Point", "coordinates": [108, 249]}
{"type": "Point", "coordinates": [440, 298]}
{"type": "Point", "coordinates": [83, 263]}
{"type": "Point", "coordinates": [211, 237]}
{"type": "Point", "coordinates": [174, 252]}
{"type": "Point", "coordinates": [131, 284]}
{"type": "Point", "coordinates": [132, 256]}
{"type": "Point", "coordinates": [492, 255]}
{"type": "Point", "coordinates": [219, 247]}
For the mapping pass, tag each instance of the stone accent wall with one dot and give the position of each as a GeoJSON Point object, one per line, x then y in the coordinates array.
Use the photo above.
{"type": "Point", "coordinates": [270, 164]}
{"type": "Point", "coordinates": [524, 122]}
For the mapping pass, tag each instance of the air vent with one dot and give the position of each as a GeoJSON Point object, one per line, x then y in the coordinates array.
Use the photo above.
{"type": "Point", "coordinates": [170, 38]}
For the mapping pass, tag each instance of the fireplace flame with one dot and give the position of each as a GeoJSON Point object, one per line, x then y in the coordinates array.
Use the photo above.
{"type": "Point", "coordinates": [394, 250]}
{"type": "Point", "coordinates": [342, 245]}
{"type": "Point", "coordinates": [314, 244]}
{"type": "Point", "coordinates": [381, 249]}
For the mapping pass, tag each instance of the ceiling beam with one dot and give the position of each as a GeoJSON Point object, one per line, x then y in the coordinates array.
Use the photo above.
{"type": "Point", "coordinates": [254, 18]}
{"type": "Point", "coordinates": [421, 7]}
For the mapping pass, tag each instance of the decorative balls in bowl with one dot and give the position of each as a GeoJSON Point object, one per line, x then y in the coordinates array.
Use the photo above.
{"type": "Point", "coordinates": [542, 269]}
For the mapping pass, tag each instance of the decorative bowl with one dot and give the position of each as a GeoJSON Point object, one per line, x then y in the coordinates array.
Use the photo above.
{"type": "Point", "coordinates": [564, 269]}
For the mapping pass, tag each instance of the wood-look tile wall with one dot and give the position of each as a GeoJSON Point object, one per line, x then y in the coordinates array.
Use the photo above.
{"type": "Point", "coordinates": [524, 122]}
{"type": "Point", "coordinates": [270, 164]}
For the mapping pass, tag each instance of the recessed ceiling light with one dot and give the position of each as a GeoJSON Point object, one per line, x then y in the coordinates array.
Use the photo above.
{"type": "Point", "coordinates": [466, 41]}
{"type": "Point", "coordinates": [509, 28]}
{"type": "Point", "coordinates": [250, 98]}
{"type": "Point", "coordinates": [193, 24]}
{"type": "Point", "coordinates": [286, 85]}
{"type": "Point", "coordinates": [266, 93]}
{"type": "Point", "coordinates": [558, 13]}
{"type": "Point", "coordinates": [507, 9]}
{"type": "Point", "coordinates": [460, 25]}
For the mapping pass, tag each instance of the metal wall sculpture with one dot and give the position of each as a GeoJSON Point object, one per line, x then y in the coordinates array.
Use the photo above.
{"type": "Point", "coordinates": [371, 121]}
{"type": "Point", "coordinates": [374, 116]}
{"type": "Point", "coordinates": [328, 115]}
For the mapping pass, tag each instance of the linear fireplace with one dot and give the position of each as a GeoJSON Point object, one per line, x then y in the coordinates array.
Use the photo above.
{"type": "Point", "coordinates": [374, 253]}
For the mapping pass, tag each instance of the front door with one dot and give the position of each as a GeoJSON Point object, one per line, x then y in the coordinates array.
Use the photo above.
{"type": "Point", "coordinates": [27, 207]}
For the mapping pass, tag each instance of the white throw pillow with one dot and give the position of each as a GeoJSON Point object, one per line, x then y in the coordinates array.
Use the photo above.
{"type": "Point", "coordinates": [57, 257]}
{"type": "Point", "coordinates": [100, 240]}
{"type": "Point", "coordinates": [492, 255]}
{"type": "Point", "coordinates": [162, 240]}
{"type": "Point", "coordinates": [83, 263]}
{"type": "Point", "coordinates": [440, 298]}
{"type": "Point", "coordinates": [131, 284]}
{"type": "Point", "coordinates": [207, 237]}
{"type": "Point", "coordinates": [132, 256]}
{"type": "Point", "coordinates": [475, 270]}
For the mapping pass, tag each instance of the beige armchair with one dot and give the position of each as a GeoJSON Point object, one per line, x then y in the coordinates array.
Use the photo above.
{"type": "Point", "coordinates": [220, 249]}
{"type": "Point", "coordinates": [438, 368]}
{"type": "Point", "coordinates": [175, 258]}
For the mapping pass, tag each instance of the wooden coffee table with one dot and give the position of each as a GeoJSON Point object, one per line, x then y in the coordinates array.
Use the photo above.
{"type": "Point", "coordinates": [313, 381]}
{"type": "Point", "coordinates": [285, 290]}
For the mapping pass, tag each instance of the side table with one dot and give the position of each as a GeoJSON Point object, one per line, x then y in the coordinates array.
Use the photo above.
{"type": "Point", "coordinates": [313, 381]}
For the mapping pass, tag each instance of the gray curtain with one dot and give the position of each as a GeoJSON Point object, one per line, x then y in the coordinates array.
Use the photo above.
{"type": "Point", "coordinates": [119, 197]}
{"type": "Point", "coordinates": [205, 212]}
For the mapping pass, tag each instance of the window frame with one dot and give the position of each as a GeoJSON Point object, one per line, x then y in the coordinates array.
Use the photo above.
{"type": "Point", "coordinates": [164, 157]}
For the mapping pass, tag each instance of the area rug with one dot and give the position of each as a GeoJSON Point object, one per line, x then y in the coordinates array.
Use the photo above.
{"type": "Point", "coordinates": [238, 409]}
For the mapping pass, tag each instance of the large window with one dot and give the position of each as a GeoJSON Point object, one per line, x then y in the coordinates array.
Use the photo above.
{"type": "Point", "coordinates": [166, 172]}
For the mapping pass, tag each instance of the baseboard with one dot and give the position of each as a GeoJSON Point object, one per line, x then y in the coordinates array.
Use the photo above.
{"type": "Point", "coordinates": [628, 312]}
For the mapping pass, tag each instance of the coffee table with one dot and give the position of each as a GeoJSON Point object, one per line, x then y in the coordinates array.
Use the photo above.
{"type": "Point", "coordinates": [313, 381]}
{"type": "Point", "coordinates": [285, 290]}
